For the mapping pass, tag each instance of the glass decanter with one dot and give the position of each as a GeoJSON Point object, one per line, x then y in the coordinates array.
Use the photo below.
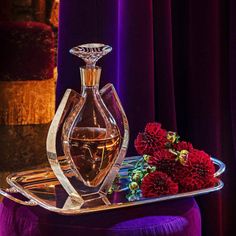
{"type": "Point", "coordinates": [88, 137]}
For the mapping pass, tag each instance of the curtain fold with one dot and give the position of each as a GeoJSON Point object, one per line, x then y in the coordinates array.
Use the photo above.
{"type": "Point", "coordinates": [163, 55]}
{"type": "Point", "coordinates": [173, 61]}
{"type": "Point", "coordinates": [202, 120]}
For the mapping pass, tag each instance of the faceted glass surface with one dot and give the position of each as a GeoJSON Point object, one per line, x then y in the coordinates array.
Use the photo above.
{"type": "Point", "coordinates": [89, 134]}
{"type": "Point", "coordinates": [91, 52]}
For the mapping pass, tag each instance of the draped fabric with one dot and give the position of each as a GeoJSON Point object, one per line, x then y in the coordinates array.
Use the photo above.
{"type": "Point", "coordinates": [173, 62]}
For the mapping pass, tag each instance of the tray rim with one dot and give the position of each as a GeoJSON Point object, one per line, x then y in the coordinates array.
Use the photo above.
{"type": "Point", "coordinates": [76, 211]}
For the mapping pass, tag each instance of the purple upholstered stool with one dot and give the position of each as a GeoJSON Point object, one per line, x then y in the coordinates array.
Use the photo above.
{"type": "Point", "coordinates": [180, 217]}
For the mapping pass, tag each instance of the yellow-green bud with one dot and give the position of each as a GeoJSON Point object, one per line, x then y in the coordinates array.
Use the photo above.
{"type": "Point", "coordinates": [146, 157]}
{"type": "Point", "coordinates": [172, 136]}
{"type": "Point", "coordinates": [151, 169]}
{"type": "Point", "coordinates": [183, 157]}
{"type": "Point", "coordinates": [110, 191]}
{"type": "Point", "coordinates": [133, 186]}
{"type": "Point", "coordinates": [137, 176]}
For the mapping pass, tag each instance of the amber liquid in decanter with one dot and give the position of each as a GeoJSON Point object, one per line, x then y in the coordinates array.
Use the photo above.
{"type": "Point", "coordinates": [93, 140]}
{"type": "Point", "coordinates": [95, 154]}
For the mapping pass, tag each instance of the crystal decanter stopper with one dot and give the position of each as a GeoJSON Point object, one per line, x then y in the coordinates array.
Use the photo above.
{"type": "Point", "coordinates": [94, 134]}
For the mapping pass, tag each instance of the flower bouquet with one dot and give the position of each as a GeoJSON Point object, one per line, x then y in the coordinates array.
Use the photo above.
{"type": "Point", "coordinates": [168, 165]}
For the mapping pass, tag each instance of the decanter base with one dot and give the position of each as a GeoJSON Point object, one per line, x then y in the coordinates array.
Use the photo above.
{"type": "Point", "coordinates": [94, 200]}
{"type": "Point", "coordinates": [88, 201]}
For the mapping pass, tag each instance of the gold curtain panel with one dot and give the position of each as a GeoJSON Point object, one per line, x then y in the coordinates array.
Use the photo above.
{"type": "Point", "coordinates": [27, 102]}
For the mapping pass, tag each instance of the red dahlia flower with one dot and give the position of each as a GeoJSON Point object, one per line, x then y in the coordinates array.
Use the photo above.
{"type": "Point", "coordinates": [190, 183]}
{"type": "Point", "coordinates": [200, 174]}
{"type": "Point", "coordinates": [155, 129]}
{"type": "Point", "coordinates": [211, 182]}
{"type": "Point", "coordinates": [164, 161]}
{"type": "Point", "coordinates": [158, 184]}
{"type": "Point", "coordinates": [183, 146]}
{"type": "Point", "coordinates": [146, 143]}
{"type": "Point", "coordinates": [152, 140]}
{"type": "Point", "coordinates": [201, 164]}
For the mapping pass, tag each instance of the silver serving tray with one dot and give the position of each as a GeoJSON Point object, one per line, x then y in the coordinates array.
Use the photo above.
{"type": "Point", "coordinates": [42, 188]}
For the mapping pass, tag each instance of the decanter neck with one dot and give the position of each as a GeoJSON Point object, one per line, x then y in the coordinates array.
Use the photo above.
{"type": "Point", "coordinates": [90, 76]}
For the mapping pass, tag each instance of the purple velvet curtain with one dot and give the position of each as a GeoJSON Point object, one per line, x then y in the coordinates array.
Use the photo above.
{"type": "Point", "coordinates": [172, 61]}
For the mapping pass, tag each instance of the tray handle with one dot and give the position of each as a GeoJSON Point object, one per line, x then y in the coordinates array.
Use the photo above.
{"type": "Point", "coordinates": [221, 166]}
{"type": "Point", "coordinates": [5, 193]}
